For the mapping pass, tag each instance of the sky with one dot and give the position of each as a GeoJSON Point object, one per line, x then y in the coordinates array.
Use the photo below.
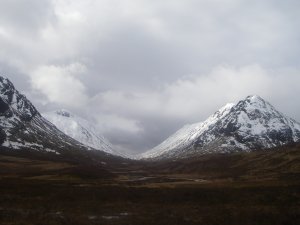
{"type": "Point", "coordinates": [141, 69]}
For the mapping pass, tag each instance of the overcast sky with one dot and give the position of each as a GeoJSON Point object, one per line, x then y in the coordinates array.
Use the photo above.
{"type": "Point", "coordinates": [141, 69]}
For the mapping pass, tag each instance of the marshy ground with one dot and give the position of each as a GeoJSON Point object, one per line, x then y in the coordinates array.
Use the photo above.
{"type": "Point", "coordinates": [257, 188]}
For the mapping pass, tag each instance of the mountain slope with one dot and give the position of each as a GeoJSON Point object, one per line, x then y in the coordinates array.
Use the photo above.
{"type": "Point", "coordinates": [22, 126]}
{"type": "Point", "coordinates": [250, 124]}
{"type": "Point", "coordinates": [81, 130]}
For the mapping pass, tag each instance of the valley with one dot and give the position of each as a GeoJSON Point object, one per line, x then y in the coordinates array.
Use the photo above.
{"type": "Point", "coordinates": [245, 188]}
{"type": "Point", "coordinates": [143, 112]}
{"type": "Point", "coordinates": [240, 166]}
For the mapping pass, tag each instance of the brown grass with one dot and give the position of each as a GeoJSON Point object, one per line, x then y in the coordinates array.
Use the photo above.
{"type": "Point", "coordinates": [241, 189]}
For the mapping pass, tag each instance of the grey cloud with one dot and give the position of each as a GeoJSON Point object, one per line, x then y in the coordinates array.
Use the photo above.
{"type": "Point", "coordinates": [151, 66]}
{"type": "Point", "coordinates": [19, 79]}
{"type": "Point", "coordinates": [193, 99]}
{"type": "Point", "coordinates": [25, 15]}
{"type": "Point", "coordinates": [198, 38]}
{"type": "Point", "coordinates": [133, 53]}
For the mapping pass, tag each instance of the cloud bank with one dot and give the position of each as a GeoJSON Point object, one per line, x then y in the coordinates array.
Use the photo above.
{"type": "Point", "coordinates": [141, 69]}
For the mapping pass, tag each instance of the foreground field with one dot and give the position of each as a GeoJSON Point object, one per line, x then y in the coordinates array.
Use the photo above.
{"type": "Point", "coordinates": [203, 191]}
{"type": "Point", "coordinates": [73, 202]}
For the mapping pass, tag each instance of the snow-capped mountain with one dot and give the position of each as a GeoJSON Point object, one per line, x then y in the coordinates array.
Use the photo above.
{"type": "Point", "coordinates": [22, 126]}
{"type": "Point", "coordinates": [81, 130]}
{"type": "Point", "coordinates": [250, 124]}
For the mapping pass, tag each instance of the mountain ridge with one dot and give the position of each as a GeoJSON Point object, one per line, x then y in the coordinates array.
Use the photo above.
{"type": "Point", "coordinates": [23, 127]}
{"type": "Point", "coordinates": [81, 130]}
{"type": "Point", "coordinates": [250, 124]}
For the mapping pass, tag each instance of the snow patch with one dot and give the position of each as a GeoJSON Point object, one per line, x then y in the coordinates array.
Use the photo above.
{"type": "Point", "coordinates": [81, 130]}
{"type": "Point", "coordinates": [251, 123]}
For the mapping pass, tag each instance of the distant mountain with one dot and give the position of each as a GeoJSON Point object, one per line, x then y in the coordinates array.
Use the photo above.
{"type": "Point", "coordinates": [251, 124]}
{"type": "Point", "coordinates": [23, 127]}
{"type": "Point", "coordinates": [81, 130]}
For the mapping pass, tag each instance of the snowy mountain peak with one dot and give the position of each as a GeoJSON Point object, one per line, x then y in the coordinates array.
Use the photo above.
{"type": "Point", "coordinates": [22, 126]}
{"type": "Point", "coordinates": [254, 98]}
{"type": "Point", "coordinates": [10, 98]}
{"type": "Point", "coordinates": [81, 130]}
{"type": "Point", "coordinates": [251, 124]}
{"type": "Point", "coordinates": [255, 101]}
{"type": "Point", "coordinates": [5, 81]}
